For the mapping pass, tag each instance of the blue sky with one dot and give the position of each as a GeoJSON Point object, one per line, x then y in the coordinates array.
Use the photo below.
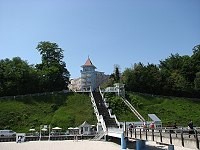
{"type": "Point", "coordinates": [111, 32]}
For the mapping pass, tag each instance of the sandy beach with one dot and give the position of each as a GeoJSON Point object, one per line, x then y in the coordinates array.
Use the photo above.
{"type": "Point", "coordinates": [60, 145]}
{"type": "Point", "coordinates": [74, 145]}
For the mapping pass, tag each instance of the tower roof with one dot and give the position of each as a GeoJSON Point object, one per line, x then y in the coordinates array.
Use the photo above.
{"type": "Point", "coordinates": [88, 63]}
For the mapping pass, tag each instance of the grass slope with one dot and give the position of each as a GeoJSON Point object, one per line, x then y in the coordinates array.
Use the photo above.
{"type": "Point", "coordinates": [168, 109]}
{"type": "Point", "coordinates": [63, 110]}
{"type": "Point", "coordinates": [72, 109]}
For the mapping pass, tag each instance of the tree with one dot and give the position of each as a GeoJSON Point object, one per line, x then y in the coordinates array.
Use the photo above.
{"type": "Point", "coordinates": [17, 77]}
{"type": "Point", "coordinates": [128, 80]}
{"type": "Point", "coordinates": [196, 58]}
{"type": "Point", "coordinates": [197, 81]}
{"type": "Point", "coordinates": [116, 74]}
{"type": "Point", "coordinates": [51, 53]}
{"type": "Point", "coordinates": [52, 71]}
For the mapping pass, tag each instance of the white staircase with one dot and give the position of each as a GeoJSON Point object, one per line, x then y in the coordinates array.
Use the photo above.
{"type": "Point", "coordinates": [98, 136]}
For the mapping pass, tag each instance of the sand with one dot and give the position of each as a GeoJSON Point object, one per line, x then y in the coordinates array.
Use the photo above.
{"type": "Point", "coordinates": [60, 145]}
{"type": "Point", "coordinates": [74, 145]}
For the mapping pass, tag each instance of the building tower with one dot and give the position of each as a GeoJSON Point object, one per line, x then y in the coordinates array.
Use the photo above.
{"type": "Point", "coordinates": [88, 76]}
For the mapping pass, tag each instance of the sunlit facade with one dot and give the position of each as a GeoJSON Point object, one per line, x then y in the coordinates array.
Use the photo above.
{"type": "Point", "coordinates": [90, 78]}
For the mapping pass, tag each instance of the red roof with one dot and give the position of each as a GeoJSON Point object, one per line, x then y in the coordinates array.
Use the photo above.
{"type": "Point", "coordinates": [88, 63]}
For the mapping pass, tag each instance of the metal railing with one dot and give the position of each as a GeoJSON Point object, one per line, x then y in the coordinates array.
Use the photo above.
{"type": "Point", "coordinates": [94, 106]}
{"type": "Point", "coordinates": [179, 137]}
{"type": "Point", "coordinates": [109, 110]}
{"type": "Point", "coordinates": [137, 114]}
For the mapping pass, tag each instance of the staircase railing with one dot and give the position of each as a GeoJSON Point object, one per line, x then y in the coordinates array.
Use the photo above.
{"type": "Point", "coordinates": [94, 106]}
{"type": "Point", "coordinates": [103, 124]}
{"type": "Point", "coordinates": [98, 136]}
{"type": "Point", "coordinates": [109, 110]}
{"type": "Point", "coordinates": [99, 117]}
{"type": "Point", "coordinates": [133, 109]}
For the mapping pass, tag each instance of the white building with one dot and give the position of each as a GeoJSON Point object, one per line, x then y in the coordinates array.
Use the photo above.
{"type": "Point", "coordinates": [90, 78]}
{"type": "Point", "coordinates": [85, 128]}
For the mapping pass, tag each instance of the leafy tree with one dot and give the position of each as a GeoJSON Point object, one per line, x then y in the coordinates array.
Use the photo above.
{"type": "Point", "coordinates": [116, 74]}
{"type": "Point", "coordinates": [152, 79]}
{"type": "Point", "coordinates": [196, 58]}
{"type": "Point", "coordinates": [17, 77]}
{"type": "Point", "coordinates": [176, 75]}
{"type": "Point", "coordinates": [127, 78]}
{"type": "Point", "coordinates": [197, 81]}
{"type": "Point", "coordinates": [52, 71]}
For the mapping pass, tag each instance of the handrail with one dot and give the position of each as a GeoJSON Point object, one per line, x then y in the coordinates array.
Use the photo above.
{"type": "Point", "coordinates": [133, 109]}
{"type": "Point", "coordinates": [102, 123]}
{"type": "Point", "coordinates": [114, 116]}
{"type": "Point", "coordinates": [178, 137]}
{"type": "Point", "coordinates": [109, 110]}
{"type": "Point", "coordinates": [94, 106]}
{"type": "Point", "coordinates": [99, 117]}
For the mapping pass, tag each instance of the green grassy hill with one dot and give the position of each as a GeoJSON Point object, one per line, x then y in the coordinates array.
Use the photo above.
{"type": "Point", "coordinates": [63, 110]}
{"type": "Point", "coordinates": [168, 109]}
{"type": "Point", "coordinates": [72, 109]}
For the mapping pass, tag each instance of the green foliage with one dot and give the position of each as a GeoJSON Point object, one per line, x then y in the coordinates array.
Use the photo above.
{"type": "Point", "coordinates": [197, 81]}
{"type": "Point", "coordinates": [54, 76]}
{"type": "Point", "coordinates": [116, 74]}
{"type": "Point", "coordinates": [168, 109]}
{"type": "Point", "coordinates": [175, 76]}
{"type": "Point", "coordinates": [118, 107]}
{"type": "Point", "coordinates": [58, 110]}
{"type": "Point", "coordinates": [17, 77]}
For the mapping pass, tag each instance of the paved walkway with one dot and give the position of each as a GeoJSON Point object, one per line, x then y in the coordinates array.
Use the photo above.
{"type": "Point", "coordinates": [155, 146]}
{"type": "Point", "coordinates": [75, 145]}
{"type": "Point", "coordinates": [60, 145]}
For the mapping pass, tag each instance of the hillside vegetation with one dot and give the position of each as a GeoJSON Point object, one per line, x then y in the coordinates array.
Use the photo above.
{"type": "Point", "coordinates": [168, 109]}
{"type": "Point", "coordinates": [72, 109]}
{"type": "Point", "coordinates": [63, 110]}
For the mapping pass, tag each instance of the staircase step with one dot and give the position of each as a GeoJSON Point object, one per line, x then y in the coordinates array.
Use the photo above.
{"type": "Point", "coordinates": [110, 122]}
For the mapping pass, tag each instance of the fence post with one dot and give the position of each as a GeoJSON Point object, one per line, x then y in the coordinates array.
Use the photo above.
{"type": "Point", "coordinates": [170, 136]}
{"type": "Point", "coordinates": [140, 144]}
{"type": "Point", "coordinates": [135, 133]}
{"type": "Point", "coordinates": [171, 147]}
{"type": "Point", "coordinates": [123, 142]}
{"type": "Point", "coordinates": [146, 134]}
{"type": "Point", "coordinates": [182, 139]}
{"type": "Point", "coordinates": [152, 134]}
{"type": "Point", "coordinates": [140, 134]}
{"type": "Point", "coordinates": [160, 135]}
{"type": "Point", "coordinates": [196, 137]}
{"type": "Point", "coordinates": [132, 130]}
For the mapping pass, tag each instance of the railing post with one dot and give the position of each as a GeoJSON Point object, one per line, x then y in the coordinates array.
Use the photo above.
{"type": "Point", "coordinates": [182, 139]}
{"type": "Point", "coordinates": [140, 144]}
{"type": "Point", "coordinates": [152, 134]}
{"type": "Point", "coordinates": [196, 137]}
{"type": "Point", "coordinates": [160, 135]}
{"type": "Point", "coordinates": [123, 142]}
{"type": "Point", "coordinates": [135, 133]}
{"type": "Point", "coordinates": [140, 134]}
{"type": "Point", "coordinates": [170, 136]}
{"type": "Point", "coordinates": [171, 147]}
{"type": "Point", "coordinates": [146, 134]}
{"type": "Point", "coordinates": [124, 128]}
{"type": "Point", "coordinates": [131, 132]}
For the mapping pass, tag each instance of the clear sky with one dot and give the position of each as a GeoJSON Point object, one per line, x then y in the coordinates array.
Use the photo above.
{"type": "Point", "coordinates": [111, 32]}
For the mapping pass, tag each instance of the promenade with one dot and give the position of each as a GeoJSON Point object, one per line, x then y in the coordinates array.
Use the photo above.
{"type": "Point", "coordinates": [75, 145]}
{"type": "Point", "coordinates": [60, 145]}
